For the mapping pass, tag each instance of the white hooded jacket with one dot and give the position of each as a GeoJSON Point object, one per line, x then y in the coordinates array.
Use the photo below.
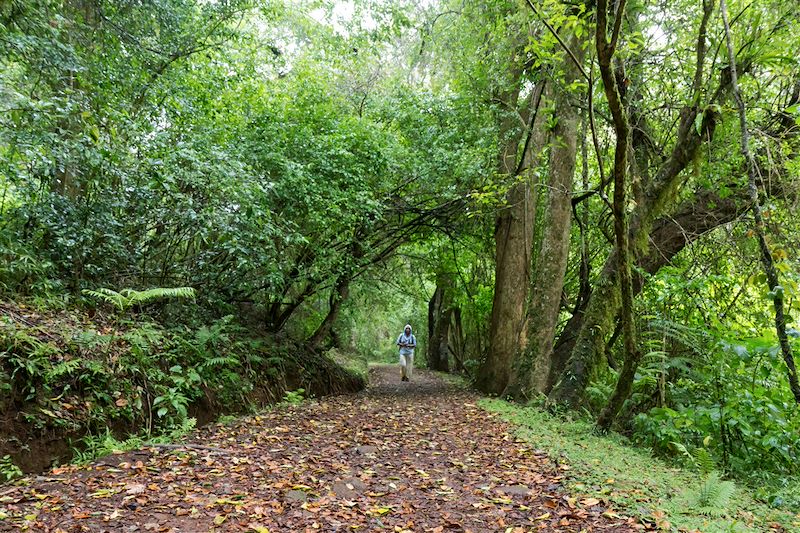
{"type": "Point", "coordinates": [408, 340]}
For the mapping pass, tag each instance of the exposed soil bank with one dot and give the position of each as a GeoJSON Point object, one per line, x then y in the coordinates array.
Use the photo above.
{"type": "Point", "coordinates": [36, 450]}
{"type": "Point", "coordinates": [65, 375]}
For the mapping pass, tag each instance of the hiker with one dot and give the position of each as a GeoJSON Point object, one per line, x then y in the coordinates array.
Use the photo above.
{"type": "Point", "coordinates": [407, 342]}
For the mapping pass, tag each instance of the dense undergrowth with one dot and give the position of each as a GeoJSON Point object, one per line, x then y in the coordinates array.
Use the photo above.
{"type": "Point", "coordinates": [691, 497]}
{"type": "Point", "coordinates": [73, 380]}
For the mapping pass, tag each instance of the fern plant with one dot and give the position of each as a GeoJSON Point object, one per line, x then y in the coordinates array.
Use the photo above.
{"type": "Point", "coordinates": [699, 457]}
{"type": "Point", "coordinates": [62, 369]}
{"type": "Point", "coordinates": [713, 497]}
{"type": "Point", "coordinates": [127, 298]}
{"type": "Point", "coordinates": [92, 447]}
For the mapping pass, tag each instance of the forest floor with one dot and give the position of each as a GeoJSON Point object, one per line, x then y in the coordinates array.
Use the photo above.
{"type": "Point", "coordinates": [419, 456]}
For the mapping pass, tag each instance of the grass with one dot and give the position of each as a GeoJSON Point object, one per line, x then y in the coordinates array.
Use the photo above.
{"type": "Point", "coordinates": [631, 481]}
{"type": "Point", "coordinates": [350, 361]}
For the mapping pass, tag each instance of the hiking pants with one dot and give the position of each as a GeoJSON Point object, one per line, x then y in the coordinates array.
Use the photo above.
{"type": "Point", "coordinates": [406, 364]}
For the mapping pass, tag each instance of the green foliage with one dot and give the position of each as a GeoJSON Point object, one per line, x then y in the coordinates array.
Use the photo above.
{"type": "Point", "coordinates": [608, 467]}
{"type": "Point", "coordinates": [245, 148]}
{"type": "Point", "coordinates": [142, 376]}
{"type": "Point", "coordinates": [127, 298]}
{"type": "Point", "coordinates": [753, 421]}
{"type": "Point", "coordinates": [91, 447]}
{"type": "Point", "coordinates": [294, 397]}
{"type": "Point", "coordinates": [22, 270]}
{"type": "Point", "coordinates": [8, 470]}
{"type": "Point", "coordinates": [713, 497]}
{"type": "Point", "coordinates": [699, 457]}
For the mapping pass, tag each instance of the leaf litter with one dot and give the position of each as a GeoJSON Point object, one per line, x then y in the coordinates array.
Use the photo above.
{"type": "Point", "coordinates": [400, 457]}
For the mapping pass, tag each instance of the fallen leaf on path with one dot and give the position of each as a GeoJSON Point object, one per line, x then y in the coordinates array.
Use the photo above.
{"type": "Point", "coordinates": [427, 451]}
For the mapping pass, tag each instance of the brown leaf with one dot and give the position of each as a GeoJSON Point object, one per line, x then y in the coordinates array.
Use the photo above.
{"type": "Point", "coordinates": [134, 488]}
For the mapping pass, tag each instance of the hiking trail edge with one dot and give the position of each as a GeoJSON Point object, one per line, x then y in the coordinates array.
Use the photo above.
{"type": "Point", "coordinates": [416, 457]}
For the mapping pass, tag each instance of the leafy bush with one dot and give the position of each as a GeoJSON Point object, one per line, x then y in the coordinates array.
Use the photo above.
{"type": "Point", "coordinates": [744, 406]}
{"type": "Point", "coordinates": [294, 397]}
{"type": "Point", "coordinates": [8, 470]}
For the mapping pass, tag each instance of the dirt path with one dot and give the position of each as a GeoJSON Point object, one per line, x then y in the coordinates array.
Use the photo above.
{"type": "Point", "coordinates": [418, 456]}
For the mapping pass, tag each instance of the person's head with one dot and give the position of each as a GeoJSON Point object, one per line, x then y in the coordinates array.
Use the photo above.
{"type": "Point", "coordinates": [407, 329]}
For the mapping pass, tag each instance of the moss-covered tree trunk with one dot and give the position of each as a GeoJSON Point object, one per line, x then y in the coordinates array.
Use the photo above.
{"type": "Point", "coordinates": [658, 197]}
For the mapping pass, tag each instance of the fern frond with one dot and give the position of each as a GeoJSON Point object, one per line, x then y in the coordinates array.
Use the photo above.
{"type": "Point", "coordinates": [713, 497]}
{"type": "Point", "coordinates": [107, 295]}
{"type": "Point", "coordinates": [693, 338]}
{"type": "Point", "coordinates": [128, 297]}
{"type": "Point", "coordinates": [254, 359]}
{"type": "Point", "coordinates": [65, 368]}
{"type": "Point", "coordinates": [704, 460]}
{"type": "Point", "coordinates": [219, 362]}
{"type": "Point", "coordinates": [140, 297]}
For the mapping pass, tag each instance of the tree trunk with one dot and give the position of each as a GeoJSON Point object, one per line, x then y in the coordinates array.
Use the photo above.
{"type": "Point", "coordinates": [513, 238]}
{"type": "Point", "coordinates": [657, 198]}
{"type": "Point", "coordinates": [605, 52]}
{"type": "Point", "coordinates": [434, 304]}
{"type": "Point", "coordinates": [532, 366]}
{"type": "Point", "coordinates": [339, 294]}
{"type": "Point", "coordinates": [442, 341]}
{"type": "Point", "coordinates": [457, 341]}
{"type": "Point", "coordinates": [439, 311]}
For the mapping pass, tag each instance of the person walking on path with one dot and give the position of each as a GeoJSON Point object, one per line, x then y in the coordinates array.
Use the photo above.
{"type": "Point", "coordinates": [407, 342]}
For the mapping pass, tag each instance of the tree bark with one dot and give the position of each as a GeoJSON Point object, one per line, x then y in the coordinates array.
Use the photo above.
{"type": "Point", "coordinates": [513, 240]}
{"type": "Point", "coordinates": [657, 197]}
{"type": "Point", "coordinates": [605, 54]}
{"type": "Point", "coordinates": [434, 304]}
{"type": "Point", "coordinates": [439, 313]}
{"type": "Point", "coordinates": [532, 365]}
{"type": "Point", "coordinates": [457, 341]}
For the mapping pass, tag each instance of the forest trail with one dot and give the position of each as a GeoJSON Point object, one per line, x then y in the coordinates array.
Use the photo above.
{"type": "Point", "coordinates": [418, 456]}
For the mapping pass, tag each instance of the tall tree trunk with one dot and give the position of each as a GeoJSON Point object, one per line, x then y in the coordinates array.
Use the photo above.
{"type": "Point", "coordinates": [513, 238]}
{"type": "Point", "coordinates": [566, 339]}
{"type": "Point", "coordinates": [767, 261]}
{"type": "Point", "coordinates": [439, 311]}
{"type": "Point", "coordinates": [532, 366]}
{"type": "Point", "coordinates": [457, 341]}
{"type": "Point", "coordinates": [605, 54]}
{"type": "Point", "coordinates": [434, 304]}
{"type": "Point", "coordinates": [442, 340]}
{"type": "Point", "coordinates": [339, 294]}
